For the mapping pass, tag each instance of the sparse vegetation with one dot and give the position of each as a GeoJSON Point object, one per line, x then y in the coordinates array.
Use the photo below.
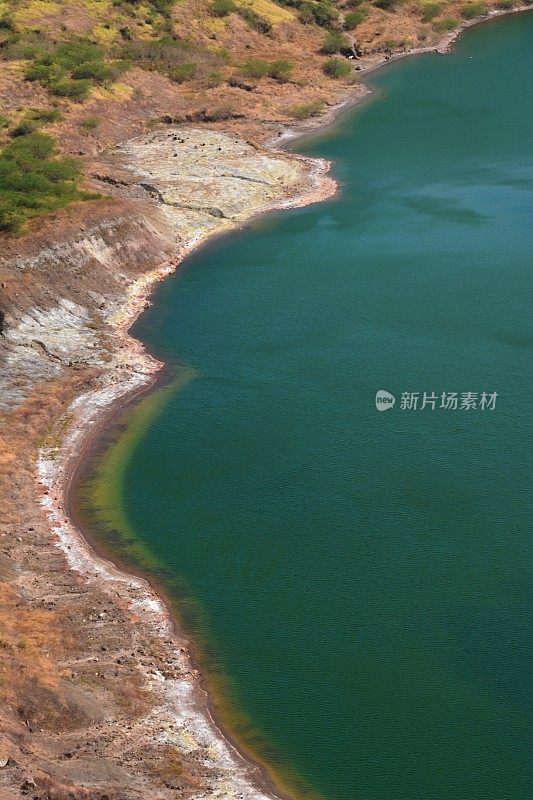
{"type": "Point", "coordinates": [280, 70]}
{"type": "Point", "coordinates": [336, 68]}
{"type": "Point", "coordinates": [179, 59]}
{"type": "Point", "coordinates": [473, 10]}
{"type": "Point", "coordinates": [90, 123]}
{"type": "Point", "coordinates": [306, 110]}
{"type": "Point", "coordinates": [431, 10]}
{"type": "Point", "coordinates": [445, 24]}
{"type": "Point", "coordinates": [334, 42]}
{"type": "Point", "coordinates": [354, 18]}
{"type": "Point", "coordinates": [221, 8]}
{"type": "Point", "coordinates": [71, 69]}
{"type": "Point", "coordinates": [182, 73]}
{"type": "Point", "coordinates": [254, 20]}
{"type": "Point", "coordinates": [34, 180]}
{"type": "Point", "coordinates": [34, 119]}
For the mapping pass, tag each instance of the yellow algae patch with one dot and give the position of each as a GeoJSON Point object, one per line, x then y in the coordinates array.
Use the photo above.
{"type": "Point", "coordinates": [270, 11]}
{"type": "Point", "coordinates": [104, 493]}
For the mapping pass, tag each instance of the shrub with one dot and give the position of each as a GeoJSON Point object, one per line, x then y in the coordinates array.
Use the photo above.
{"type": "Point", "coordinates": [166, 54]}
{"type": "Point", "coordinates": [386, 5]}
{"type": "Point", "coordinates": [33, 180]}
{"type": "Point", "coordinates": [34, 119]}
{"type": "Point", "coordinates": [254, 20]}
{"type": "Point", "coordinates": [322, 13]}
{"type": "Point", "coordinates": [221, 8]}
{"type": "Point", "coordinates": [473, 10]}
{"type": "Point", "coordinates": [182, 73]}
{"type": "Point", "coordinates": [354, 18]}
{"type": "Point", "coordinates": [23, 128]}
{"type": "Point", "coordinates": [7, 23]}
{"type": "Point", "coordinates": [280, 70]}
{"type": "Point", "coordinates": [430, 10]}
{"type": "Point", "coordinates": [255, 68]}
{"type": "Point", "coordinates": [89, 123]}
{"type": "Point", "coordinates": [93, 70]}
{"type": "Point", "coordinates": [4, 121]}
{"type": "Point", "coordinates": [335, 41]}
{"type": "Point", "coordinates": [336, 68]}
{"type": "Point", "coordinates": [214, 79]}
{"type": "Point", "coordinates": [72, 89]}
{"type": "Point", "coordinates": [445, 24]}
{"type": "Point", "coordinates": [306, 110]}
{"type": "Point", "coordinates": [71, 68]}
{"type": "Point", "coordinates": [45, 115]}
{"type": "Point", "coordinates": [505, 5]}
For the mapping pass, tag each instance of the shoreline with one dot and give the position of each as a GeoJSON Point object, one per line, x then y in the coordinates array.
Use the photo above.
{"type": "Point", "coordinates": [94, 411]}
{"type": "Point", "coordinates": [313, 126]}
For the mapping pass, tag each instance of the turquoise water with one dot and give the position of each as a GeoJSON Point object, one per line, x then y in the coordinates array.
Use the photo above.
{"type": "Point", "coordinates": [363, 577]}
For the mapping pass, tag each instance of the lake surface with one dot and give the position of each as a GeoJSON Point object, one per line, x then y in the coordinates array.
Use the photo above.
{"type": "Point", "coordinates": [360, 580]}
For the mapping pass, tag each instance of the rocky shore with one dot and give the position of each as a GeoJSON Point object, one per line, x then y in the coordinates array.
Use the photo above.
{"type": "Point", "coordinates": [108, 703]}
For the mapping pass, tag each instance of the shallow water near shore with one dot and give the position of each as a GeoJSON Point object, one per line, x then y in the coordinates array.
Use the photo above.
{"type": "Point", "coordinates": [360, 579]}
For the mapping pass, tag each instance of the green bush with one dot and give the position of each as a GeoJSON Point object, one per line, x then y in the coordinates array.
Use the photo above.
{"type": "Point", "coordinates": [221, 8]}
{"type": "Point", "coordinates": [473, 10]}
{"type": "Point", "coordinates": [214, 79]}
{"type": "Point", "coordinates": [71, 68]}
{"type": "Point", "coordinates": [430, 10]}
{"type": "Point", "coordinates": [445, 24]}
{"type": "Point", "coordinates": [334, 42]}
{"type": "Point", "coordinates": [72, 89]}
{"type": "Point", "coordinates": [322, 13]}
{"type": "Point", "coordinates": [45, 115]}
{"type": "Point", "coordinates": [354, 18]}
{"type": "Point", "coordinates": [255, 68]}
{"type": "Point", "coordinates": [33, 180]}
{"type": "Point", "coordinates": [254, 20]}
{"type": "Point", "coordinates": [23, 128]}
{"type": "Point", "coordinates": [280, 70]}
{"type": "Point", "coordinates": [387, 5]}
{"type": "Point", "coordinates": [336, 68]}
{"type": "Point", "coordinates": [182, 73]}
{"type": "Point", "coordinates": [165, 54]}
{"type": "Point", "coordinates": [94, 70]}
{"type": "Point", "coordinates": [5, 122]}
{"type": "Point", "coordinates": [90, 123]}
{"type": "Point", "coordinates": [505, 5]}
{"type": "Point", "coordinates": [306, 110]}
{"type": "Point", "coordinates": [7, 22]}
{"type": "Point", "coordinates": [33, 119]}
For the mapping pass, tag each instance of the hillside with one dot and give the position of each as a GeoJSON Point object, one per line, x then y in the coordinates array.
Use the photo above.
{"type": "Point", "coordinates": [95, 72]}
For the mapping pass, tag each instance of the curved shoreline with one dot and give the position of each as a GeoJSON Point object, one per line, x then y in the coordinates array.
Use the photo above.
{"type": "Point", "coordinates": [95, 410]}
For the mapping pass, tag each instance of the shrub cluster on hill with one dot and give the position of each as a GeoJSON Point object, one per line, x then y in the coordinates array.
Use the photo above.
{"type": "Point", "coordinates": [71, 69]}
{"type": "Point", "coordinates": [34, 180]}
